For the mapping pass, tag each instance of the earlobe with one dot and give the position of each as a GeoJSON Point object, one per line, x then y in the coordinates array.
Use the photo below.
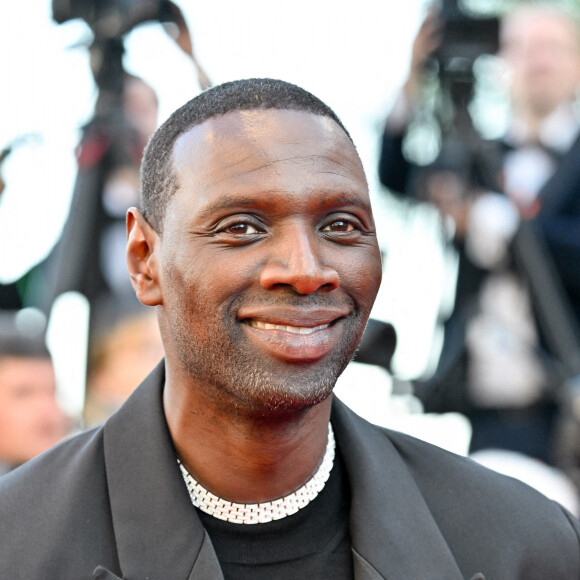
{"type": "Point", "coordinates": [142, 249]}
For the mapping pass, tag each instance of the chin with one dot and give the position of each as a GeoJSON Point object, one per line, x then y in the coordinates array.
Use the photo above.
{"type": "Point", "coordinates": [280, 402]}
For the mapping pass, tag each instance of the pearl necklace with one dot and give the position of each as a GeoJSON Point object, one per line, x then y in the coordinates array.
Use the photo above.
{"type": "Point", "coordinates": [258, 513]}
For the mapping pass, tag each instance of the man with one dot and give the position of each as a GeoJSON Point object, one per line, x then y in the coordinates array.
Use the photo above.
{"type": "Point", "coordinates": [256, 245]}
{"type": "Point", "coordinates": [502, 360]}
{"type": "Point", "coordinates": [31, 420]}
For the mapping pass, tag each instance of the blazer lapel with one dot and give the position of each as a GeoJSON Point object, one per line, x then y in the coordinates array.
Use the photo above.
{"type": "Point", "coordinates": [156, 527]}
{"type": "Point", "coordinates": [393, 533]}
{"type": "Point", "coordinates": [206, 566]}
{"type": "Point", "coordinates": [364, 570]}
{"type": "Point", "coordinates": [101, 573]}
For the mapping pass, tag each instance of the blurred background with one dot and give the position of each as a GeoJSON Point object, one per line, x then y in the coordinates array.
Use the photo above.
{"type": "Point", "coordinates": [428, 97]}
{"type": "Point", "coordinates": [354, 56]}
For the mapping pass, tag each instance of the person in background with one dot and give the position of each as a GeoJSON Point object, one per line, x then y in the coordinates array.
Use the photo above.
{"type": "Point", "coordinates": [121, 191]}
{"type": "Point", "coordinates": [497, 366]}
{"type": "Point", "coordinates": [31, 420]}
{"type": "Point", "coordinates": [121, 357]}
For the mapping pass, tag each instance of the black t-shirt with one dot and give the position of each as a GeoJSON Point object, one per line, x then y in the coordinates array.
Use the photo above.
{"type": "Point", "coordinates": [313, 543]}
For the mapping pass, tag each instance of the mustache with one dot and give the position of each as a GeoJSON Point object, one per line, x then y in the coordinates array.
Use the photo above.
{"type": "Point", "coordinates": [291, 298]}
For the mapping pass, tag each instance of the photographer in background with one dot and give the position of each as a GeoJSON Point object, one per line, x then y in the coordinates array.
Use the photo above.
{"type": "Point", "coordinates": [496, 366]}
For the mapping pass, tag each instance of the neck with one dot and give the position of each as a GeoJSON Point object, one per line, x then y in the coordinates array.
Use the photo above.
{"type": "Point", "coordinates": [244, 458]}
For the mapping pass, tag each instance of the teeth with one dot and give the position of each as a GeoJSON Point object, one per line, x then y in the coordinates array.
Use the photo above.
{"type": "Point", "coordinates": [286, 328]}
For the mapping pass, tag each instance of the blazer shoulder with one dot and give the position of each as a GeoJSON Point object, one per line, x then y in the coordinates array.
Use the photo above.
{"type": "Point", "coordinates": [55, 517]}
{"type": "Point", "coordinates": [49, 468]}
{"type": "Point", "coordinates": [478, 507]}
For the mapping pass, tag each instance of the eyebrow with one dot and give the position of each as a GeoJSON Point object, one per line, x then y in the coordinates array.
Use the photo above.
{"type": "Point", "coordinates": [269, 199]}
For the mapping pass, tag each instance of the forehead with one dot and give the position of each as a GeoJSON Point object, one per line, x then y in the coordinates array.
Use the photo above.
{"type": "Point", "coordinates": [536, 24]}
{"type": "Point", "coordinates": [15, 370]}
{"type": "Point", "coordinates": [267, 152]}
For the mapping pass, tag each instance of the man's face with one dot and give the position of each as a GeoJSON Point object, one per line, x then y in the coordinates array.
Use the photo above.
{"type": "Point", "coordinates": [30, 420]}
{"type": "Point", "coordinates": [269, 263]}
{"type": "Point", "coordinates": [543, 52]}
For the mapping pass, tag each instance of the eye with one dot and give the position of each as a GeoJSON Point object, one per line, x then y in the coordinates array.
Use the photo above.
{"type": "Point", "coordinates": [241, 228]}
{"type": "Point", "coordinates": [340, 226]}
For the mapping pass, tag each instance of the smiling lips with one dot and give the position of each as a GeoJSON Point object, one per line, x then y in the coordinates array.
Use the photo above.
{"type": "Point", "coordinates": [295, 337]}
{"type": "Point", "coordinates": [287, 328]}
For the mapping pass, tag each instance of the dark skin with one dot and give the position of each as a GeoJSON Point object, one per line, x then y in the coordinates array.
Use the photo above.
{"type": "Point", "coordinates": [268, 265]}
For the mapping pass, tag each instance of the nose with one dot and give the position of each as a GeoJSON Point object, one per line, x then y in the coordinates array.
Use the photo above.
{"type": "Point", "coordinates": [295, 262]}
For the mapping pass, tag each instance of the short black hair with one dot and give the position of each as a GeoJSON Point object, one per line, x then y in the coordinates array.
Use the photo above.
{"type": "Point", "coordinates": [158, 179]}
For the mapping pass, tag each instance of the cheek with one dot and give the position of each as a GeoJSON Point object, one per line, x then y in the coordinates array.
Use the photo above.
{"type": "Point", "coordinates": [361, 278]}
{"type": "Point", "coordinates": [200, 301]}
{"type": "Point", "coordinates": [15, 417]}
{"type": "Point", "coordinates": [224, 270]}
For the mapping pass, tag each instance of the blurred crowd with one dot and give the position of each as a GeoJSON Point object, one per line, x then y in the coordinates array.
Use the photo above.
{"type": "Point", "coordinates": [510, 355]}
{"type": "Point", "coordinates": [123, 343]}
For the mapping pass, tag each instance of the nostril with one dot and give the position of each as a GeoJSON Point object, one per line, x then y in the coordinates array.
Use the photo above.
{"type": "Point", "coordinates": [304, 281]}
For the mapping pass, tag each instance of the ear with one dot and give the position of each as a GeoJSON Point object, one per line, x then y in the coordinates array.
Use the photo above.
{"type": "Point", "coordinates": [142, 253]}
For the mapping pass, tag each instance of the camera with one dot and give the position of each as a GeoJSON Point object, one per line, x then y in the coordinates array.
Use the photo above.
{"type": "Point", "coordinates": [466, 37]}
{"type": "Point", "coordinates": [110, 19]}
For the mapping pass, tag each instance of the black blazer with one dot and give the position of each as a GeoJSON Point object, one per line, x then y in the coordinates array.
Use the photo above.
{"type": "Point", "coordinates": [111, 503]}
